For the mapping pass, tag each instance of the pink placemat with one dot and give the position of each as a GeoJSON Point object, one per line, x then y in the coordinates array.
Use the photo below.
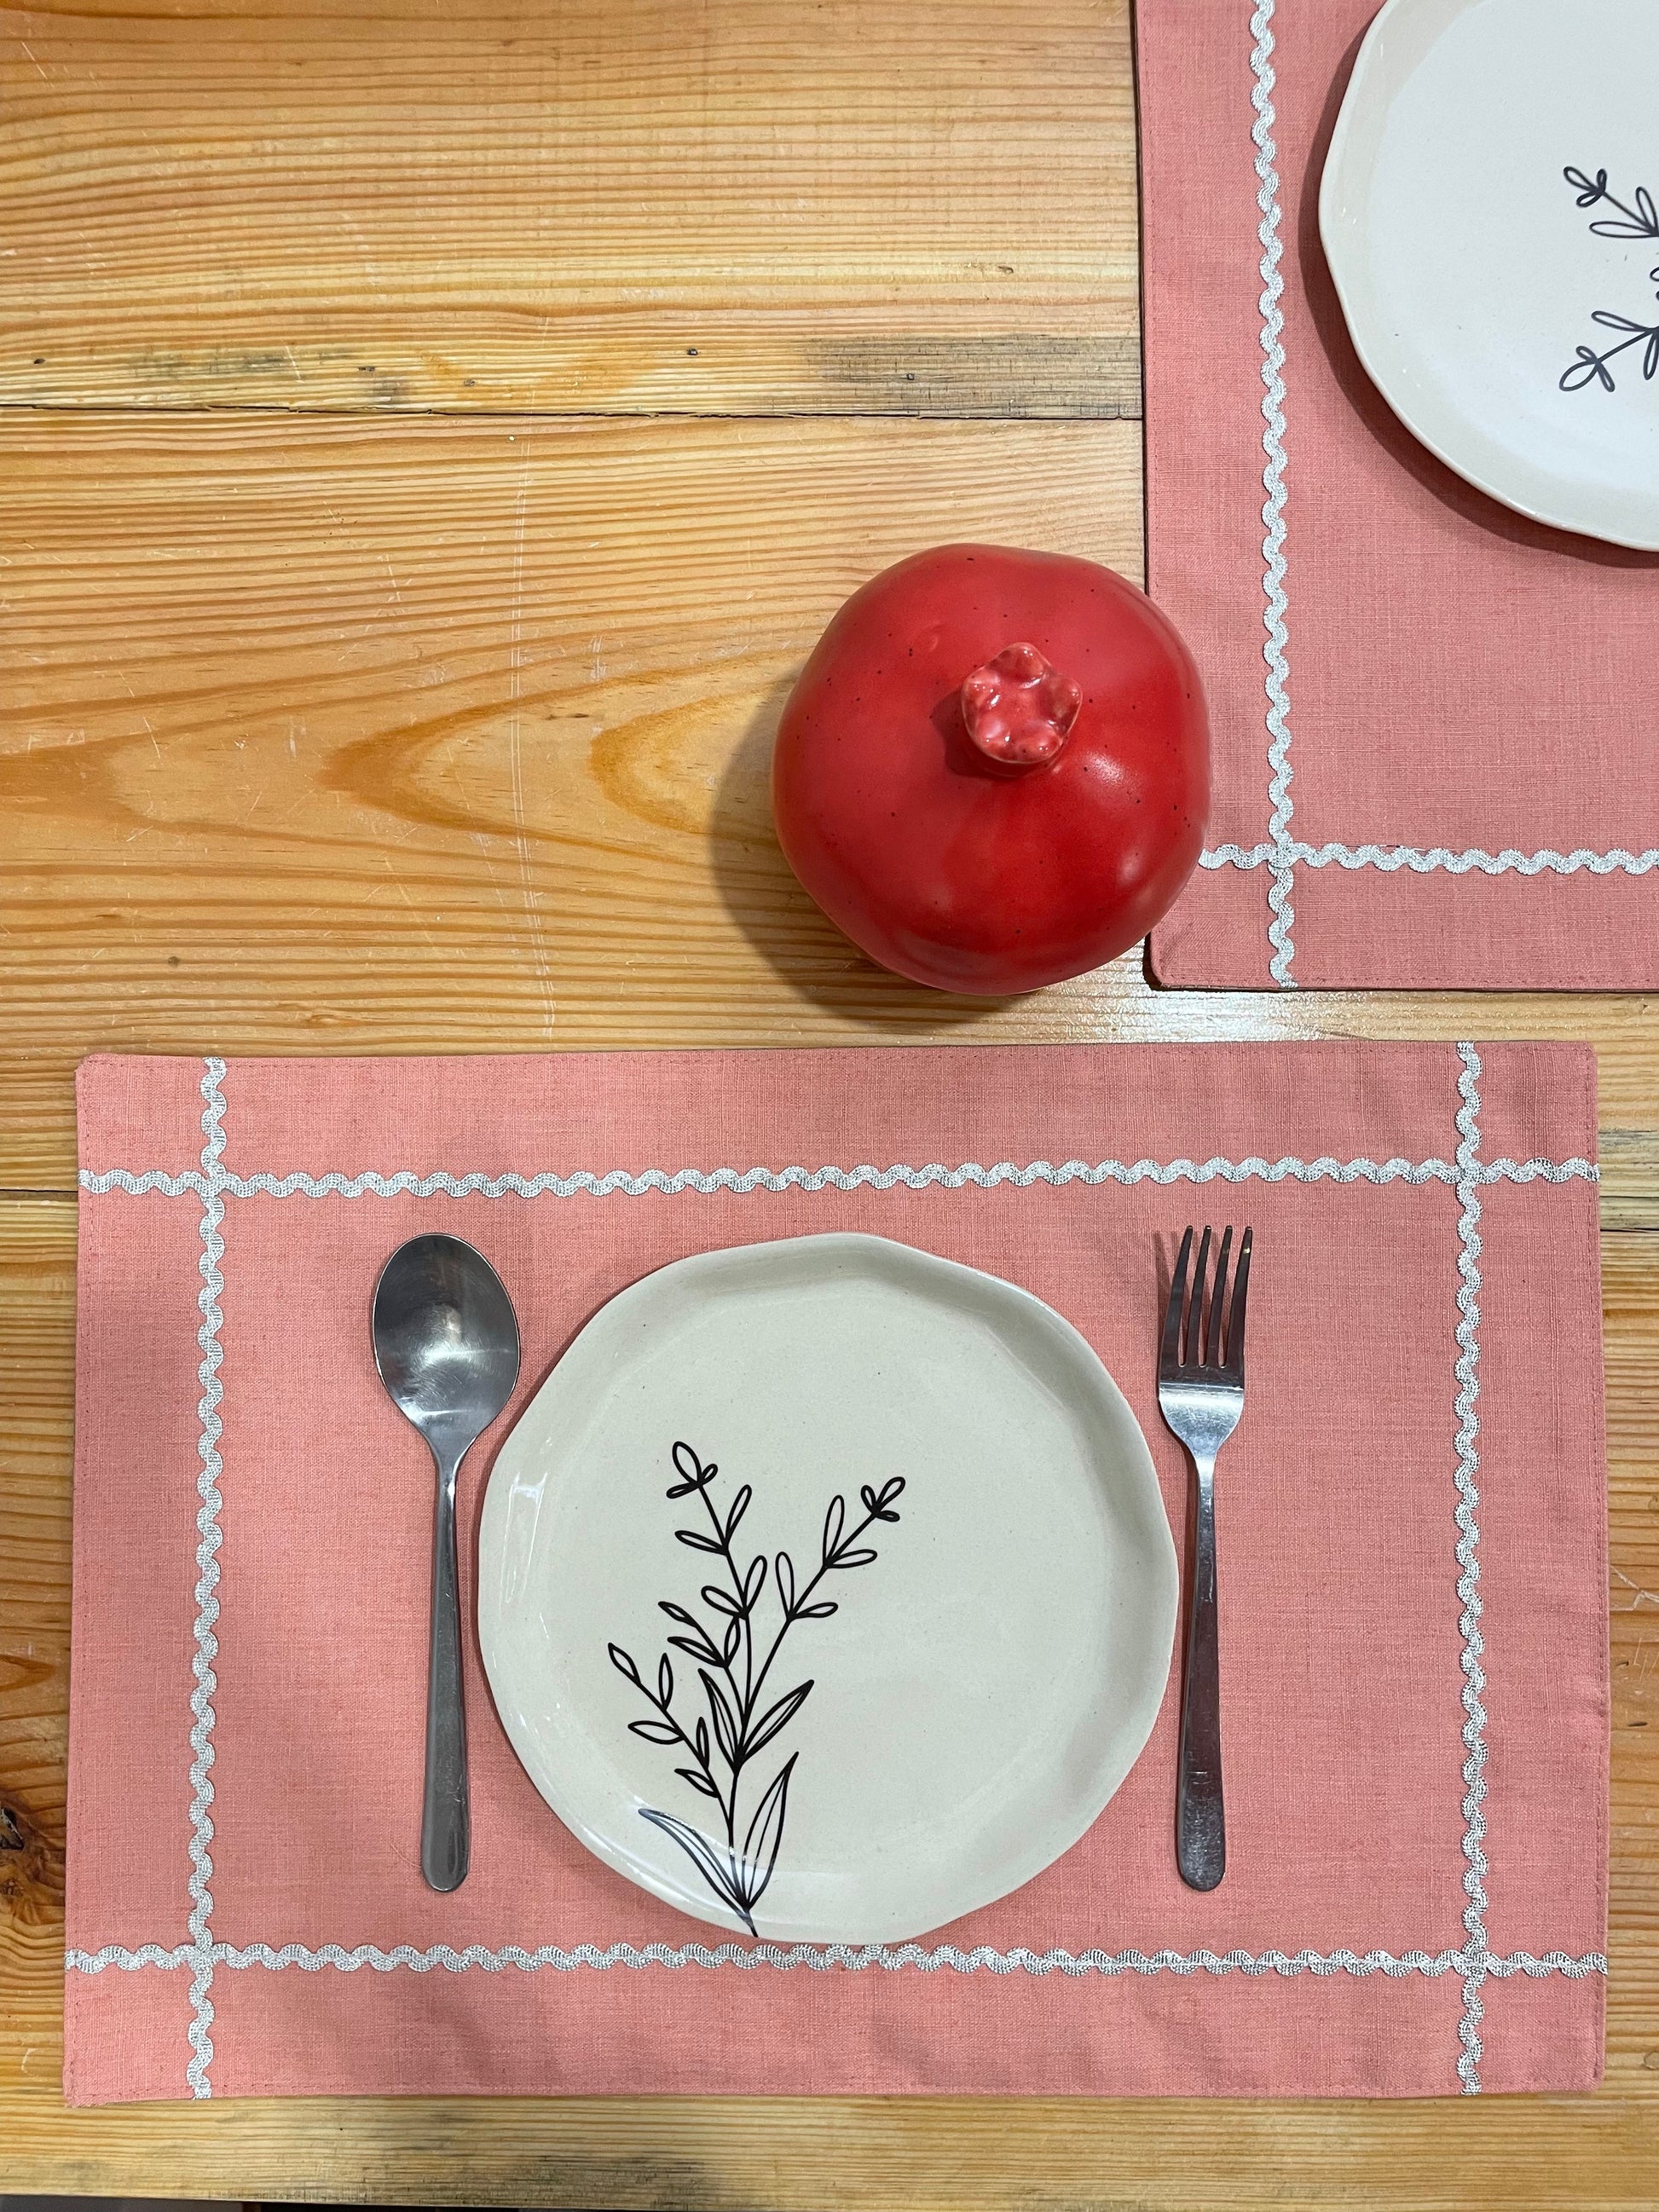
{"type": "Point", "coordinates": [1411, 1534]}
{"type": "Point", "coordinates": [1435, 764]}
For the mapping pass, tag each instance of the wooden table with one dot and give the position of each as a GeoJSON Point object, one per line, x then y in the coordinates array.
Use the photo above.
{"type": "Point", "coordinates": [436, 431]}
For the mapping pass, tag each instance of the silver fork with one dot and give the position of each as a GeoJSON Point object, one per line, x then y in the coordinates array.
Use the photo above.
{"type": "Point", "coordinates": [1200, 1394]}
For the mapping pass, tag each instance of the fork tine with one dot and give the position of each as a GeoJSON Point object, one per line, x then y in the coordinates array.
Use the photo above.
{"type": "Point", "coordinates": [1192, 1353]}
{"type": "Point", "coordinates": [1236, 1319]}
{"type": "Point", "coordinates": [1217, 1302]}
{"type": "Point", "coordinates": [1170, 1354]}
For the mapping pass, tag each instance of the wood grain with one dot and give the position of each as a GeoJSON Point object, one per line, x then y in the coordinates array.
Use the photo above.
{"type": "Point", "coordinates": [634, 206]}
{"type": "Point", "coordinates": [923, 2153]}
{"type": "Point", "coordinates": [366, 736]}
{"type": "Point", "coordinates": [345, 734]}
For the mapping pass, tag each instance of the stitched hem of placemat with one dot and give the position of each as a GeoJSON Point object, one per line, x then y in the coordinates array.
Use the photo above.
{"type": "Point", "coordinates": [1283, 854]}
{"type": "Point", "coordinates": [1474, 1962]}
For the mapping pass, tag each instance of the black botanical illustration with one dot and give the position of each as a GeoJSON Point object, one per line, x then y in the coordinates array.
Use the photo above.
{"type": "Point", "coordinates": [734, 1661]}
{"type": "Point", "coordinates": [1640, 221]}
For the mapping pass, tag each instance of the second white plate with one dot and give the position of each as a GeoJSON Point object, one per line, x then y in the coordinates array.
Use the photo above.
{"type": "Point", "coordinates": [1488, 212]}
{"type": "Point", "coordinates": [876, 1530]}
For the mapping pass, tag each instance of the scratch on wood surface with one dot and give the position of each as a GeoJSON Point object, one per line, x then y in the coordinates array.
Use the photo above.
{"type": "Point", "coordinates": [1642, 1597]}
{"type": "Point", "coordinates": [503, 896]}
{"type": "Point", "coordinates": [402, 890]}
{"type": "Point", "coordinates": [515, 758]}
{"type": "Point", "coordinates": [362, 245]}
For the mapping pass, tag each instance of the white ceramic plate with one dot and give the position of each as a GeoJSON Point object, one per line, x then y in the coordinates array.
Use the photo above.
{"type": "Point", "coordinates": [1509, 311]}
{"type": "Point", "coordinates": [999, 1643]}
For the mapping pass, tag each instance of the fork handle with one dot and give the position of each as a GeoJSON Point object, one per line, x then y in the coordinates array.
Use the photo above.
{"type": "Point", "coordinates": [1201, 1820]}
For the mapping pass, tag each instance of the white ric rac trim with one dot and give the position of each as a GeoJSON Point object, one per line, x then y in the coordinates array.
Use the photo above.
{"type": "Point", "coordinates": [1436, 858]}
{"type": "Point", "coordinates": [828, 1958]}
{"type": "Point", "coordinates": [1282, 914]}
{"type": "Point", "coordinates": [614, 1182]}
{"type": "Point", "coordinates": [207, 1584]}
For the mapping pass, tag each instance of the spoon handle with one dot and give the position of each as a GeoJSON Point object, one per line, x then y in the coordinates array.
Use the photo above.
{"type": "Point", "coordinates": [445, 1820]}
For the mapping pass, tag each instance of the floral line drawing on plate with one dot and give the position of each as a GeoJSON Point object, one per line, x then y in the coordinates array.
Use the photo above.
{"type": "Point", "coordinates": [1641, 221]}
{"type": "Point", "coordinates": [727, 1648]}
{"type": "Point", "coordinates": [1591, 367]}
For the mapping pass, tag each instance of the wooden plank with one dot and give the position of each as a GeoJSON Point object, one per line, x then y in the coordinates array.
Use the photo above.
{"type": "Point", "coordinates": [432, 736]}
{"type": "Point", "coordinates": [36, 1387]}
{"type": "Point", "coordinates": [441, 734]}
{"type": "Point", "coordinates": [1500, 2155]}
{"type": "Point", "coordinates": [634, 206]}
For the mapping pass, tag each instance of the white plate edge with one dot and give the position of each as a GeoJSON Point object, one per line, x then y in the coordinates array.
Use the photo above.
{"type": "Point", "coordinates": [1339, 236]}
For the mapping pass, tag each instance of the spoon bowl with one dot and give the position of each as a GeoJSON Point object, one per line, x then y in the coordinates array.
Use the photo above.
{"type": "Point", "coordinates": [445, 1344]}
{"type": "Point", "coordinates": [445, 1336]}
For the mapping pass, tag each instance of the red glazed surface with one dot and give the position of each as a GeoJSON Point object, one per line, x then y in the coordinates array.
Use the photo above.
{"type": "Point", "coordinates": [940, 854]}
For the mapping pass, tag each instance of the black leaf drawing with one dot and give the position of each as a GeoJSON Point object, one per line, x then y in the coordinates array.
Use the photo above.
{"type": "Point", "coordinates": [881, 1505]}
{"type": "Point", "coordinates": [1590, 367]}
{"type": "Point", "coordinates": [726, 1725]}
{"type": "Point", "coordinates": [733, 1660]}
{"type": "Point", "coordinates": [655, 1731]}
{"type": "Point", "coordinates": [760, 1845]}
{"type": "Point", "coordinates": [705, 1856]}
{"type": "Point", "coordinates": [1641, 221]}
{"type": "Point", "coordinates": [780, 1717]}
{"type": "Point", "coordinates": [693, 1474]}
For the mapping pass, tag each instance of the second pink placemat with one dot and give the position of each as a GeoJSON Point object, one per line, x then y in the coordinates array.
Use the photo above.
{"type": "Point", "coordinates": [1435, 764]}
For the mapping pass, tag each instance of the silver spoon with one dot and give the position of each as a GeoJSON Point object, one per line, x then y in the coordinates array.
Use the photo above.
{"type": "Point", "coordinates": [446, 1345]}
